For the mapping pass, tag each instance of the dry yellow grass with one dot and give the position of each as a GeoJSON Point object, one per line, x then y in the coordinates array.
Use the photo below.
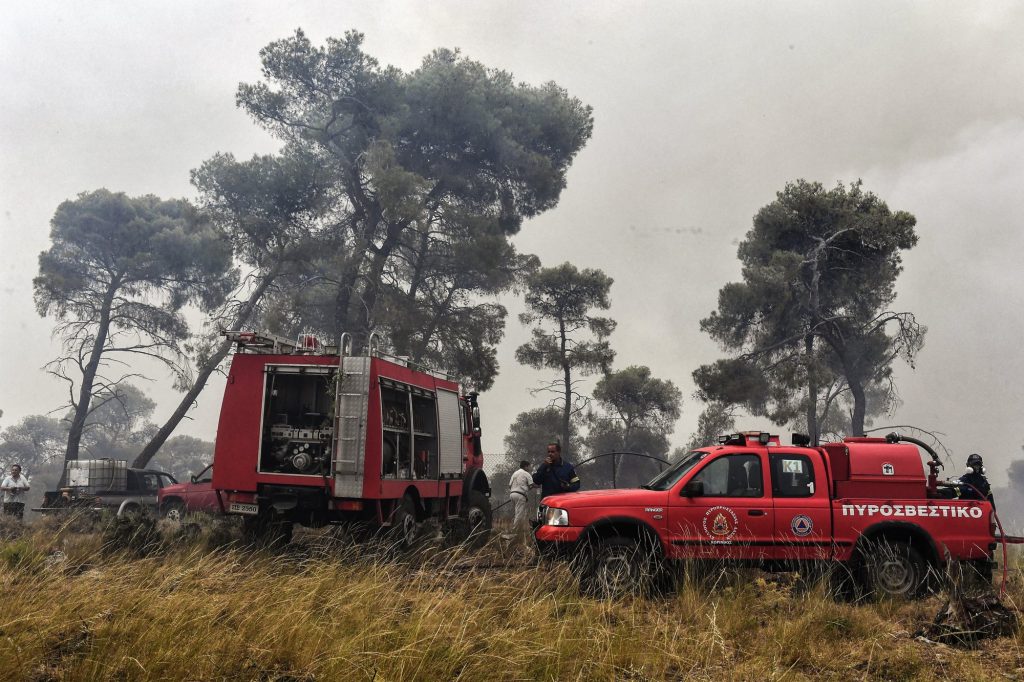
{"type": "Point", "coordinates": [320, 611]}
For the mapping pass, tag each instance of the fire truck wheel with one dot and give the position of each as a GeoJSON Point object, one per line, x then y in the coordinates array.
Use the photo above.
{"type": "Point", "coordinates": [174, 511]}
{"type": "Point", "coordinates": [477, 513]}
{"type": "Point", "coordinates": [894, 569]}
{"type": "Point", "coordinates": [266, 531]}
{"type": "Point", "coordinates": [619, 566]}
{"type": "Point", "coordinates": [403, 523]}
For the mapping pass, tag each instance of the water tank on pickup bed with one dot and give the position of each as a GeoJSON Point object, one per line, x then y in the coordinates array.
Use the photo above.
{"type": "Point", "coordinates": [96, 475]}
{"type": "Point", "coordinates": [875, 468]}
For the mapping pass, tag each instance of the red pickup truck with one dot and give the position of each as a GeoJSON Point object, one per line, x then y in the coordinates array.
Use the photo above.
{"type": "Point", "coordinates": [197, 495]}
{"type": "Point", "coordinates": [863, 503]}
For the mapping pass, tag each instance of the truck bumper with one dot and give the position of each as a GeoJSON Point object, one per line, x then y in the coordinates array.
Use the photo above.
{"type": "Point", "coordinates": [557, 542]}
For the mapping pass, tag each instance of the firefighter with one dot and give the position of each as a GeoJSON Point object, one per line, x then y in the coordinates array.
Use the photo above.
{"type": "Point", "coordinates": [974, 484]}
{"type": "Point", "coordinates": [556, 475]}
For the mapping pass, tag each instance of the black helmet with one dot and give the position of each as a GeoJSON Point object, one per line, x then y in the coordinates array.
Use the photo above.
{"type": "Point", "coordinates": [974, 460]}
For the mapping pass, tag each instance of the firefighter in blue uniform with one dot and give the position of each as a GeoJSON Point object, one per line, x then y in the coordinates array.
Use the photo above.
{"type": "Point", "coordinates": [556, 475]}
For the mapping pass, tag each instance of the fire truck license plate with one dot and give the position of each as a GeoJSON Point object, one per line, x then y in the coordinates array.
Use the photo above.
{"type": "Point", "coordinates": [241, 508]}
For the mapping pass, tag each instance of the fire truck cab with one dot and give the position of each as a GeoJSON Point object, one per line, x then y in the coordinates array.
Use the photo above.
{"type": "Point", "coordinates": [312, 435]}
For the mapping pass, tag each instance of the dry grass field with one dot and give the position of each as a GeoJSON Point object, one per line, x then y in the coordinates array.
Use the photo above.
{"type": "Point", "coordinates": [95, 606]}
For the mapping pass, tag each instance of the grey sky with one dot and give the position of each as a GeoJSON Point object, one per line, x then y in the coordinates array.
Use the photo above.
{"type": "Point", "coordinates": [703, 111]}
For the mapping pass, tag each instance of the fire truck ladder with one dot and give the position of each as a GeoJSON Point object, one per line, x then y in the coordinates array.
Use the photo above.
{"type": "Point", "coordinates": [351, 397]}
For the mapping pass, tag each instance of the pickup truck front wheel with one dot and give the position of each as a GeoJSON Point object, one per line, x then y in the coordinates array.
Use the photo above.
{"type": "Point", "coordinates": [174, 511]}
{"type": "Point", "coordinates": [619, 566]}
{"type": "Point", "coordinates": [894, 569]}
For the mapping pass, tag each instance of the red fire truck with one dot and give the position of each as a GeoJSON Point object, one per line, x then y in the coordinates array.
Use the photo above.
{"type": "Point", "coordinates": [863, 503]}
{"type": "Point", "coordinates": [311, 434]}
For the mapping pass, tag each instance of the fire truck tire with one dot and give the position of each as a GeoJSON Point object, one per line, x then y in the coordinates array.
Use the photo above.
{"type": "Point", "coordinates": [619, 566]}
{"type": "Point", "coordinates": [404, 525]}
{"type": "Point", "coordinates": [266, 531]}
{"type": "Point", "coordinates": [894, 569]}
{"type": "Point", "coordinates": [477, 513]}
{"type": "Point", "coordinates": [174, 511]}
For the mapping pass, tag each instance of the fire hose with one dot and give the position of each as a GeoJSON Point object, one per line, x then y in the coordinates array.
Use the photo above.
{"type": "Point", "coordinates": [935, 465]}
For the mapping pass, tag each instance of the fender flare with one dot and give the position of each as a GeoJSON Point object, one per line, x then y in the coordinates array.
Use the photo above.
{"type": "Point", "coordinates": [475, 479]}
{"type": "Point", "coordinates": [593, 532]}
{"type": "Point", "coordinates": [169, 500]}
{"type": "Point", "coordinates": [413, 493]}
{"type": "Point", "coordinates": [917, 535]}
{"type": "Point", "coordinates": [130, 502]}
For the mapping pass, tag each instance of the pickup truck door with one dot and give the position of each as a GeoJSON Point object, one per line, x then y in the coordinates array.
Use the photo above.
{"type": "Point", "coordinates": [200, 496]}
{"type": "Point", "coordinates": [731, 518]}
{"type": "Point", "coordinates": [803, 513]}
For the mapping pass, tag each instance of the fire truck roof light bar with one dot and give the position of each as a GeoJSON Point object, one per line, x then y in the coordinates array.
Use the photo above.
{"type": "Point", "coordinates": [746, 438]}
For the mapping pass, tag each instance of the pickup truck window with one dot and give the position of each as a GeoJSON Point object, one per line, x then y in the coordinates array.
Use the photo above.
{"type": "Point", "coordinates": [149, 482]}
{"type": "Point", "coordinates": [669, 477]}
{"type": "Point", "coordinates": [792, 475]}
{"type": "Point", "coordinates": [732, 476]}
{"type": "Point", "coordinates": [206, 475]}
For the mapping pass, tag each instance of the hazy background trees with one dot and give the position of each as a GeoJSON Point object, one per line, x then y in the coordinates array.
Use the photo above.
{"type": "Point", "coordinates": [389, 208]}
{"type": "Point", "coordinates": [566, 337]}
{"type": "Point", "coordinates": [636, 413]}
{"type": "Point", "coordinates": [116, 277]}
{"type": "Point", "coordinates": [424, 176]}
{"type": "Point", "coordinates": [810, 324]}
{"type": "Point", "coordinates": [115, 429]}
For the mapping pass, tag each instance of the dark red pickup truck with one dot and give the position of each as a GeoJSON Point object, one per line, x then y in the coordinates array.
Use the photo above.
{"type": "Point", "coordinates": [864, 503]}
{"type": "Point", "coordinates": [196, 496]}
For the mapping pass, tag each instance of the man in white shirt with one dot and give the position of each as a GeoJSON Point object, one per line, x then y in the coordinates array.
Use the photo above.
{"type": "Point", "coordinates": [519, 492]}
{"type": "Point", "coordinates": [14, 488]}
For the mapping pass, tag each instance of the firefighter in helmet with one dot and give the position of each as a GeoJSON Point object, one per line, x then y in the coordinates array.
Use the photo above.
{"type": "Point", "coordinates": [974, 484]}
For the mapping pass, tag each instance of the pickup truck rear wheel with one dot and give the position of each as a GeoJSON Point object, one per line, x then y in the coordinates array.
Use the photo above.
{"type": "Point", "coordinates": [620, 566]}
{"type": "Point", "coordinates": [894, 569]}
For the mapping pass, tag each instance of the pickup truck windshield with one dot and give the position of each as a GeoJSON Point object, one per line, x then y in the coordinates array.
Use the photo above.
{"type": "Point", "coordinates": [669, 477]}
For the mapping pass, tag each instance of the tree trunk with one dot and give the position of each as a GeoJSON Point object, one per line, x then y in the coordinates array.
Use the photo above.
{"type": "Point", "coordinates": [567, 379]}
{"type": "Point", "coordinates": [208, 368]}
{"type": "Point", "coordinates": [435, 322]}
{"type": "Point", "coordinates": [343, 300]}
{"type": "Point", "coordinates": [89, 379]}
{"type": "Point", "coordinates": [812, 390]}
{"type": "Point", "coordinates": [860, 402]}
{"type": "Point", "coordinates": [368, 309]}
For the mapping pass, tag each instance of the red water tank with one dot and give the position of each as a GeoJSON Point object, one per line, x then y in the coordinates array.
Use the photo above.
{"type": "Point", "coordinates": [875, 468]}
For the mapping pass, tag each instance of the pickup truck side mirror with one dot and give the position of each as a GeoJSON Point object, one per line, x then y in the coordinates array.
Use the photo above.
{"type": "Point", "coordinates": [693, 489]}
{"type": "Point", "coordinates": [192, 478]}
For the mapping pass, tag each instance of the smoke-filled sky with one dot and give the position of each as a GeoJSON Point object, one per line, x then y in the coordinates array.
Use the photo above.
{"type": "Point", "coordinates": [702, 112]}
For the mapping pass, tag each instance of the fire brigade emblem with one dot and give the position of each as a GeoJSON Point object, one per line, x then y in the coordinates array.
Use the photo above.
{"type": "Point", "coordinates": [801, 525]}
{"type": "Point", "coordinates": [720, 523]}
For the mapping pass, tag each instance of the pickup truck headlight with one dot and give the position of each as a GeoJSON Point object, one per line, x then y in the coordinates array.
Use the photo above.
{"type": "Point", "coordinates": [556, 517]}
